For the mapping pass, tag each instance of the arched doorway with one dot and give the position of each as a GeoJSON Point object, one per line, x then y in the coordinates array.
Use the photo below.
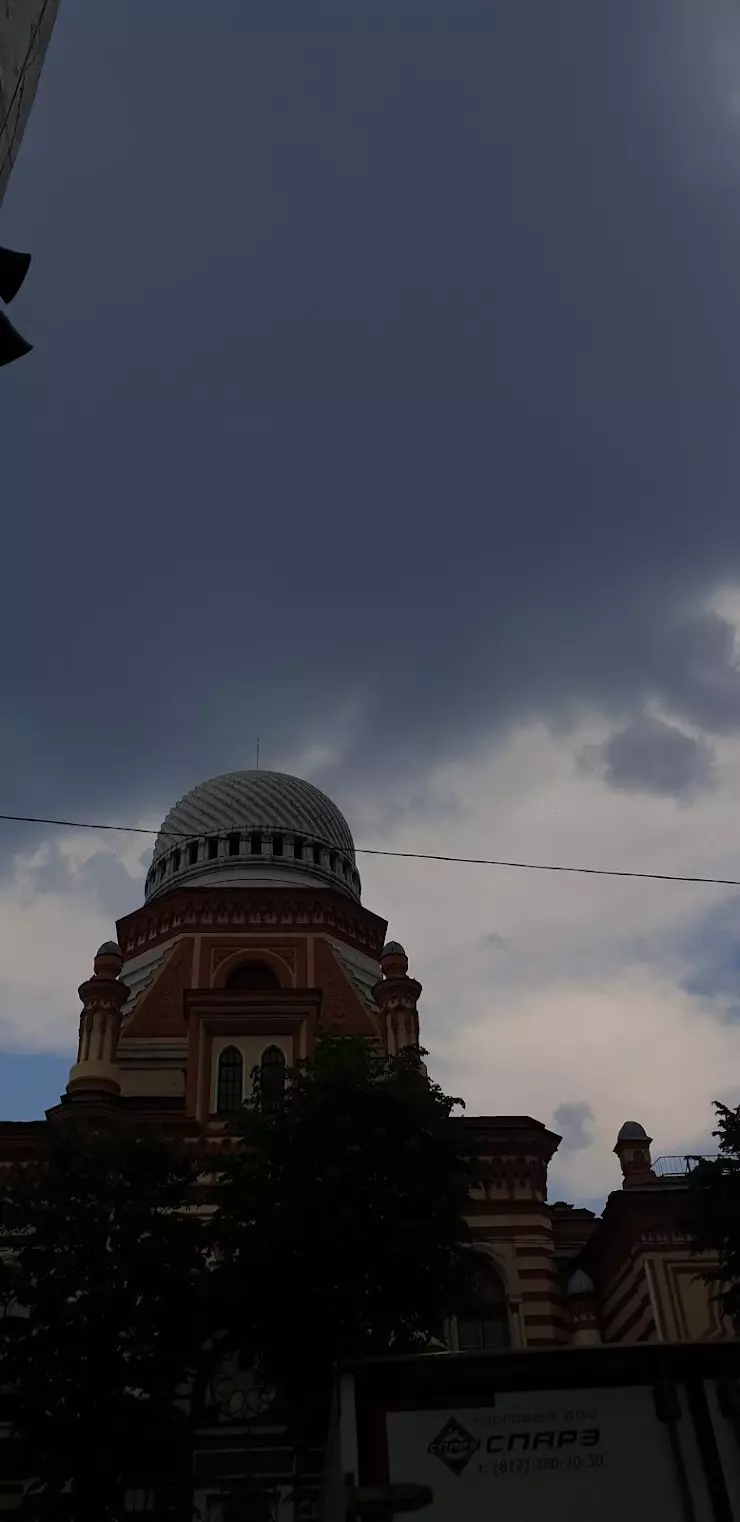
{"type": "Point", "coordinates": [483, 1320]}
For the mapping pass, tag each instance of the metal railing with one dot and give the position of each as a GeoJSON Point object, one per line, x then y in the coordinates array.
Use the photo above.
{"type": "Point", "coordinates": [680, 1167]}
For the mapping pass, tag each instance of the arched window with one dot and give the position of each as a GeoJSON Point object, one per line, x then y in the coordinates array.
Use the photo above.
{"type": "Point", "coordinates": [254, 975]}
{"type": "Point", "coordinates": [272, 1079]}
{"type": "Point", "coordinates": [483, 1321]}
{"type": "Point", "coordinates": [230, 1081]}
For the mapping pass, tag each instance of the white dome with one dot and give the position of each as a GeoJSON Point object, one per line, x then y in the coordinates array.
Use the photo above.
{"type": "Point", "coordinates": [248, 828]}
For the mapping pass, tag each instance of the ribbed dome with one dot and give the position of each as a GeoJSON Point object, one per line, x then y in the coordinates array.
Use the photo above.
{"type": "Point", "coordinates": [253, 826]}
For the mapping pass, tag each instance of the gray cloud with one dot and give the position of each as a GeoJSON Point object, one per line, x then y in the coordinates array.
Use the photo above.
{"type": "Point", "coordinates": [493, 942]}
{"type": "Point", "coordinates": [102, 881]}
{"type": "Point", "coordinates": [367, 374]}
{"type": "Point", "coordinates": [571, 1119]}
{"type": "Point", "coordinates": [652, 756]}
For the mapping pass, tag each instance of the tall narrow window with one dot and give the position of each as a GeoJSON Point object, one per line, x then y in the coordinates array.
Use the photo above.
{"type": "Point", "coordinates": [193, 853]}
{"type": "Point", "coordinates": [483, 1322]}
{"type": "Point", "coordinates": [255, 843]}
{"type": "Point", "coordinates": [230, 1081]}
{"type": "Point", "coordinates": [277, 845]}
{"type": "Point", "coordinates": [141, 1501]}
{"type": "Point", "coordinates": [213, 848]}
{"type": "Point", "coordinates": [272, 1079]}
{"type": "Point", "coordinates": [298, 847]}
{"type": "Point", "coordinates": [234, 843]}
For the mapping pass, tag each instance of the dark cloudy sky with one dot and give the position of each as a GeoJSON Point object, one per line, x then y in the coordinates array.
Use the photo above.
{"type": "Point", "coordinates": [384, 404]}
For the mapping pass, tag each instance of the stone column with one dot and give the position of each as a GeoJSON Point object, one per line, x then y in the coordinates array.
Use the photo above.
{"type": "Point", "coordinates": [397, 996]}
{"type": "Point", "coordinates": [633, 1150]}
{"type": "Point", "coordinates": [103, 997]}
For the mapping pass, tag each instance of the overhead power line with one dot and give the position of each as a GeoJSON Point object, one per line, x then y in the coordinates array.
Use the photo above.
{"type": "Point", "coordinates": [539, 866]}
{"type": "Point", "coordinates": [467, 861]}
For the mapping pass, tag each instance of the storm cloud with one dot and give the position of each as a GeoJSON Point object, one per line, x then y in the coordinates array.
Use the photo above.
{"type": "Point", "coordinates": [384, 392]}
{"type": "Point", "coordinates": [571, 1120]}
{"type": "Point", "coordinates": [651, 756]}
{"type": "Point", "coordinates": [383, 407]}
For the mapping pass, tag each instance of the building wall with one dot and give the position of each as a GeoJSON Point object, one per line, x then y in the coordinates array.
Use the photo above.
{"type": "Point", "coordinates": [687, 1310]}
{"type": "Point", "coordinates": [25, 29]}
{"type": "Point", "coordinates": [180, 1016]}
{"type": "Point", "coordinates": [649, 1283]}
{"type": "Point", "coordinates": [627, 1305]}
{"type": "Point", "coordinates": [153, 1082]}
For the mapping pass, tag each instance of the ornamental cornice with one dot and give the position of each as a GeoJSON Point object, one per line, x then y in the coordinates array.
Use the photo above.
{"type": "Point", "coordinates": [213, 910]}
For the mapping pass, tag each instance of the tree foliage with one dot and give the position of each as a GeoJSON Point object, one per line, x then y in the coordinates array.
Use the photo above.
{"type": "Point", "coordinates": [714, 1214]}
{"type": "Point", "coordinates": [336, 1231]}
{"type": "Point", "coordinates": [102, 1304]}
{"type": "Point", "coordinates": [339, 1224]}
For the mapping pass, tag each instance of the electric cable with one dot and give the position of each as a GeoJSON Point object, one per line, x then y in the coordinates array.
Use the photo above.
{"type": "Point", "coordinates": [469, 861]}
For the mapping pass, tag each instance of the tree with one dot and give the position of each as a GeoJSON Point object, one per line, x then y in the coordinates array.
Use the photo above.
{"type": "Point", "coordinates": [714, 1211]}
{"type": "Point", "coordinates": [103, 1303]}
{"type": "Point", "coordinates": [339, 1220]}
{"type": "Point", "coordinates": [338, 1231]}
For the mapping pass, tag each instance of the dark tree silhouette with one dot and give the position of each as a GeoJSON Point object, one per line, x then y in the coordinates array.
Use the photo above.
{"type": "Point", "coordinates": [714, 1211]}
{"type": "Point", "coordinates": [102, 1307]}
{"type": "Point", "coordinates": [338, 1231]}
{"type": "Point", "coordinates": [339, 1223]}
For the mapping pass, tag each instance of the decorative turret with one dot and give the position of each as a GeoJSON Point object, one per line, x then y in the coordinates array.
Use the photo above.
{"type": "Point", "coordinates": [396, 996]}
{"type": "Point", "coordinates": [633, 1150]}
{"type": "Point", "coordinates": [103, 997]}
{"type": "Point", "coordinates": [584, 1310]}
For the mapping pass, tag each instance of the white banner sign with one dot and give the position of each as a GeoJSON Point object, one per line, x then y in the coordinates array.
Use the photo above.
{"type": "Point", "coordinates": [596, 1455]}
{"type": "Point", "coordinates": [727, 1434]}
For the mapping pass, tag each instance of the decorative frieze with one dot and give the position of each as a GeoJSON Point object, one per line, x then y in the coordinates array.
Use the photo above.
{"type": "Point", "coordinates": [211, 909]}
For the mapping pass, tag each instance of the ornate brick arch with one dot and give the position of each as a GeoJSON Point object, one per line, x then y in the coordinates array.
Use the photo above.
{"type": "Point", "coordinates": [498, 1265]}
{"type": "Point", "coordinates": [246, 956]}
{"type": "Point", "coordinates": [503, 1269]}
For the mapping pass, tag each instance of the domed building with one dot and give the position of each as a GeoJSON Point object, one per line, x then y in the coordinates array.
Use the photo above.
{"type": "Point", "coordinates": [251, 935]}
{"type": "Point", "coordinates": [251, 938]}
